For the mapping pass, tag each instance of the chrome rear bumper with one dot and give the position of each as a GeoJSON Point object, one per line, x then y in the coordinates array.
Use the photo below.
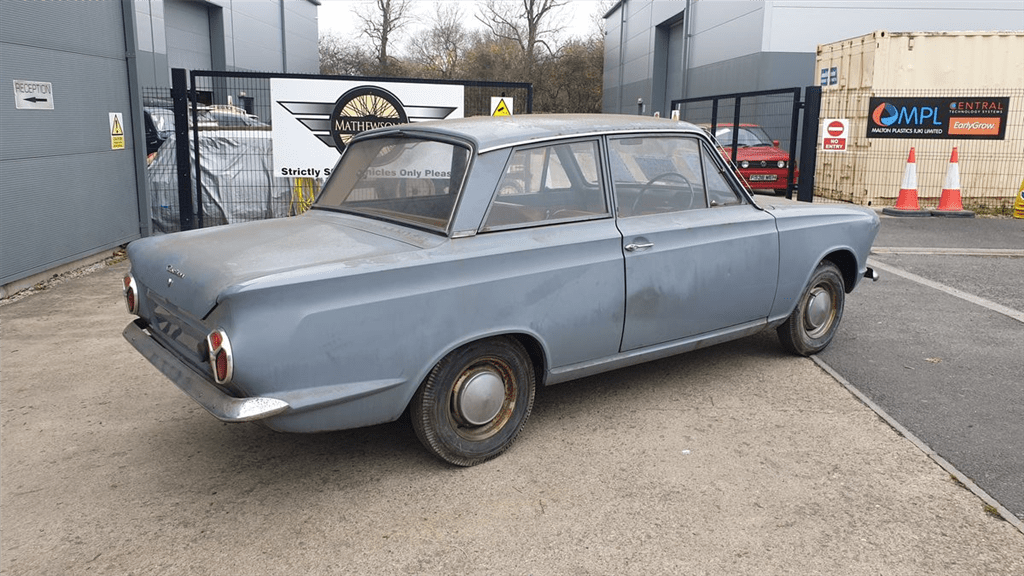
{"type": "Point", "coordinates": [216, 402]}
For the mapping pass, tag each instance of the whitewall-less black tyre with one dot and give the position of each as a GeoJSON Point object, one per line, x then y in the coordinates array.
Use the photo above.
{"type": "Point", "coordinates": [475, 401]}
{"type": "Point", "coordinates": [814, 321]}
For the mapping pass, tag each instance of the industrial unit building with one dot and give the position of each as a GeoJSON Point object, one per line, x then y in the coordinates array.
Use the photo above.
{"type": "Point", "coordinates": [72, 152]}
{"type": "Point", "coordinates": [659, 51]}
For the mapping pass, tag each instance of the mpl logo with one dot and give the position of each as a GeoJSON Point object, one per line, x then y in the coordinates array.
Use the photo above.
{"type": "Point", "coordinates": [886, 114]}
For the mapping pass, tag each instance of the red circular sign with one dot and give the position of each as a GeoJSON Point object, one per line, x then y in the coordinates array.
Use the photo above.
{"type": "Point", "coordinates": [835, 128]}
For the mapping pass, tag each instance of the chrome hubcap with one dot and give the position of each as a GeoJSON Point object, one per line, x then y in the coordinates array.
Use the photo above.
{"type": "Point", "coordinates": [819, 311]}
{"type": "Point", "coordinates": [480, 398]}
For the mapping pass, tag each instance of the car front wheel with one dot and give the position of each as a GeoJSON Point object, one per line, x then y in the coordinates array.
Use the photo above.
{"type": "Point", "coordinates": [814, 321]}
{"type": "Point", "coordinates": [475, 401]}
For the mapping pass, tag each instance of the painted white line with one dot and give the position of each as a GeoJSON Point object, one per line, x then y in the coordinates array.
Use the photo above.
{"type": "Point", "coordinates": [1005, 252]}
{"type": "Point", "coordinates": [942, 462]}
{"type": "Point", "coordinates": [1016, 315]}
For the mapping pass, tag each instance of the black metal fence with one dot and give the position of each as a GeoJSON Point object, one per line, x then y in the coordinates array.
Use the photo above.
{"type": "Point", "coordinates": [772, 118]}
{"type": "Point", "coordinates": [210, 145]}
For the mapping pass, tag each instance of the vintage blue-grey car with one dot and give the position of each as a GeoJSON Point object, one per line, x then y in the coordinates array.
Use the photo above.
{"type": "Point", "coordinates": [449, 268]}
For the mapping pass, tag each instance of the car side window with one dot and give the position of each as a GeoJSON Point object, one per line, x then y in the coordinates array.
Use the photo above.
{"type": "Point", "coordinates": [656, 174]}
{"type": "Point", "coordinates": [720, 192]}
{"type": "Point", "coordinates": [548, 183]}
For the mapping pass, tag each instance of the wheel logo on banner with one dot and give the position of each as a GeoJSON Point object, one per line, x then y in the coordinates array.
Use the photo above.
{"type": "Point", "coordinates": [364, 108]}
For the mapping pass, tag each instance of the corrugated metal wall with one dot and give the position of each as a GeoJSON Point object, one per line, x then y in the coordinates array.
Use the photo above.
{"type": "Point", "coordinates": [188, 35]}
{"type": "Point", "coordinates": [64, 193]}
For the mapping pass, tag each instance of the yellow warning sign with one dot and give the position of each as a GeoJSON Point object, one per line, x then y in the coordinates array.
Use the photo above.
{"type": "Point", "coordinates": [501, 106]}
{"type": "Point", "coordinates": [116, 131]}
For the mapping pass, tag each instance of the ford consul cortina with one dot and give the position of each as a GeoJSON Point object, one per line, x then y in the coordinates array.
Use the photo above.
{"type": "Point", "coordinates": [452, 267]}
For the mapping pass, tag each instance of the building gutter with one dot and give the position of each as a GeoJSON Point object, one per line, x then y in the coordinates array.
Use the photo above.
{"type": "Point", "coordinates": [687, 20]}
{"type": "Point", "coordinates": [138, 119]}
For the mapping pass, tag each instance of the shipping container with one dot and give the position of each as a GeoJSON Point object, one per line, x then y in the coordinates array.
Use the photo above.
{"type": "Point", "coordinates": [967, 88]}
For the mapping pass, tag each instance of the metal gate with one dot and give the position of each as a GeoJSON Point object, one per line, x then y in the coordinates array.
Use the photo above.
{"type": "Point", "coordinates": [211, 159]}
{"type": "Point", "coordinates": [764, 135]}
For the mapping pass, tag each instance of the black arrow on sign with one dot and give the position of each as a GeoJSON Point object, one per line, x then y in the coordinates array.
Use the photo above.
{"type": "Point", "coordinates": [35, 99]}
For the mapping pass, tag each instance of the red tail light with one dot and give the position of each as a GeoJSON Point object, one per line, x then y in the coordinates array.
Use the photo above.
{"type": "Point", "coordinates": [131, 294]}
{"type": "Point", "coordinates": [220, 366]}
{"type": "Point", "coordinates": [221, 360]}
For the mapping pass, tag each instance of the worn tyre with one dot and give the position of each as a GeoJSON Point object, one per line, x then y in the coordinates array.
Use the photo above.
{"type": "Point", "coordinates": [814, 321]}
{"type": "Point", "coordinates": [475, 401]}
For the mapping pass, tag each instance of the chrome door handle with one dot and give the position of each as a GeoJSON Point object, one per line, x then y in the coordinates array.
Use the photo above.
{"type": "Point", "coordinates": [641, 246]}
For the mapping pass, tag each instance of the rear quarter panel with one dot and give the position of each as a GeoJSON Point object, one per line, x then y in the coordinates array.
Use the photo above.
{"type": "Point", "coordinates": [348, 346]}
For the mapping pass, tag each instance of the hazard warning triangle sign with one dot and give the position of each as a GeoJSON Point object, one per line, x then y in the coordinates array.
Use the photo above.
{"type": "Point", "coordinates": [501, 106]}
{"type": "Point", "coordinates": [116, 131]}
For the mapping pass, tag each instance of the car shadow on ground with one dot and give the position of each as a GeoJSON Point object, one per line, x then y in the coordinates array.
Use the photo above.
{"type": "Point", "coordinates": [197, 446]}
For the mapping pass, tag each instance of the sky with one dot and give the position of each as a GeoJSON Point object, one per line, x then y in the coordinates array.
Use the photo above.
{"type": "Point", "coordinates": [338, 17]}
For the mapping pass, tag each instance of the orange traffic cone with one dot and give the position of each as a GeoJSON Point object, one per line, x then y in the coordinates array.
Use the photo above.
{"type": "Point", "coordinates": [906, 202]}
{"type": "Point", "coordinates": [949, 202]}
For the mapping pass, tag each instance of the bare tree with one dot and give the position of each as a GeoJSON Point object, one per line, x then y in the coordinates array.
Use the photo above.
{"type": "Point", "coordinates": [344, 58]}
{"type": "Point", "coordinates": [440, 49]}
{"type": "Point", "coordinates": [522, 22]}
{"type": "Point", "coordinates": [496, 59]}
{"type": "Point", "coordinates": [381, 23]}
{"type": "Point", "coordinates": [574, 77]}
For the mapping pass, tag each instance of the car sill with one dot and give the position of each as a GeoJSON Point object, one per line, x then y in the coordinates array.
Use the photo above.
{"type": "Point", "coordinates": [658, 351]}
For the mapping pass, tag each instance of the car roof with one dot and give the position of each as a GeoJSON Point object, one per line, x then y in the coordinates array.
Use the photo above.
{"type": "Point", "coordinates": [729, 125]}
{"type": "Point", "coordinates": [490, 133]}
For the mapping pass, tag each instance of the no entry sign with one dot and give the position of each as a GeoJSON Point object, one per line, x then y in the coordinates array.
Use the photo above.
{"type": "Point", "coordinates": [835, 134]}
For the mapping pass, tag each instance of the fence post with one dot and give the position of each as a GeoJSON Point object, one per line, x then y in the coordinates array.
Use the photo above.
{"type": "Point", "coordinates": [179, 97]}
{"type": "Point", "coordinates": [794, 129]}
{"type": "Point", "coordinates": [737, 104]}
{"type": "Point", "coordinates": [809, 143]}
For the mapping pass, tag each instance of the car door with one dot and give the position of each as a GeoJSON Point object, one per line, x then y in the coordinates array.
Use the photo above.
{"type": "Point", "coordinates": [699, 257]}
{"type": "Point", "coordinates": [554, 253]}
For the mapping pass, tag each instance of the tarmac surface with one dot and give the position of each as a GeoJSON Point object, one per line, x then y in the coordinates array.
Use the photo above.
{"type": "Point", "coordinates": [937, 343]}
{"type": "Point", "coordinates": [737, 459]}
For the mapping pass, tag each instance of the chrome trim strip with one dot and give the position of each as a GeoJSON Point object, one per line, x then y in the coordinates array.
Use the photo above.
{"type": "Point", "coordinates": [655, 352]}
{"type": "Point", "coordinates": [208, 396]}
{"type": "Point", "coordinates": [610, 132]}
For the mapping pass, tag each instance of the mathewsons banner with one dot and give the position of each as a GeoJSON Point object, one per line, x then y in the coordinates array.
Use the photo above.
{"type": "Point", "coordinates": [948, 118]}
{"type": "Point", "coordinates": [313, 119]}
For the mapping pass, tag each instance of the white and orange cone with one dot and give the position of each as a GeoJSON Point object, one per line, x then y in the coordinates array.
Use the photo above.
{"type": "Point", "coordinates": [906, 202]}
{"type": "Point", "coordinates": [950, 205]}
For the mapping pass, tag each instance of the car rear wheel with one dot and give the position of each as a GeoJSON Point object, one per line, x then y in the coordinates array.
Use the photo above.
{"type": "Point", "coordinates": [475, 401]}
{"type": "Point", "coordinates": [814, 321]}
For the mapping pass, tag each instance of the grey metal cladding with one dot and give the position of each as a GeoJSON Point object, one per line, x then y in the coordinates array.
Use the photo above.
{"type": "Point", "coordinates": [76, 27]}
{"type": "Point", "coordinates": [52, 216]}
{"type": "Point", "coordinates": [188, 35]}
{"type": "Point", "coordinates": [86, 88]}
{"type": "Point", "coordinates": [65, 193]}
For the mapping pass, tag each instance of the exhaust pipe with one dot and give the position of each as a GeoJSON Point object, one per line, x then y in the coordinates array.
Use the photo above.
{"type": "Point", "coordinates": [870, 273]}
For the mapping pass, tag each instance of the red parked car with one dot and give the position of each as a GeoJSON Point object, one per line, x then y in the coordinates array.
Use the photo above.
{"type": "Point", "coordinates": [762, 164]}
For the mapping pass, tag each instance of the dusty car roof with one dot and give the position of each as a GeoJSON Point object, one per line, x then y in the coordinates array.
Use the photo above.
{"type": "Point", "coordinates": [488, 133]}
